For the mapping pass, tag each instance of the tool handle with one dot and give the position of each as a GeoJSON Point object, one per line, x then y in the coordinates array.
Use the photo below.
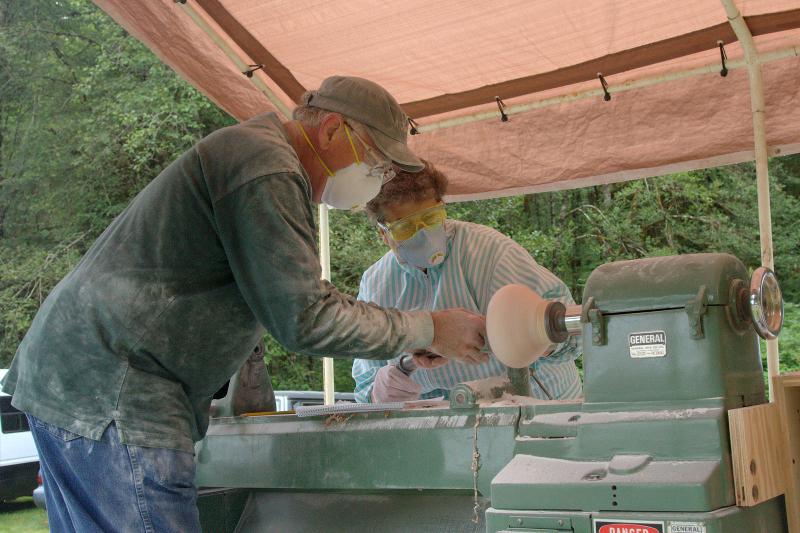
{"type": "Point", "coordinates": [406, 364]}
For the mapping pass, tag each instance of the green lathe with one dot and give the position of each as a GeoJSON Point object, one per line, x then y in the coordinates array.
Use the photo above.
{"type": "Point", "coordinates": [669, 347]}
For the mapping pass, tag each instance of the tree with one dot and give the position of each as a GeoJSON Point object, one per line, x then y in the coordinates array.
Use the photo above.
{"type": "Point", "coordinates": [88, 116]}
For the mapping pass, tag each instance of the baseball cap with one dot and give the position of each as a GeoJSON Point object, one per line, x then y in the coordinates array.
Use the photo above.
{"type": "Point", "coordinates": [370, 104]}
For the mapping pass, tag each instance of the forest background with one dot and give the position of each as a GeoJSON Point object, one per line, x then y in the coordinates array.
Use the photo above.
{"type": "Point", "coordinates": [88, 116]}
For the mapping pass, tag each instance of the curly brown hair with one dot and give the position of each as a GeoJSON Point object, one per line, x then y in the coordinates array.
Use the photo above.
{"type": "Point", "coordinates": [428, 183]}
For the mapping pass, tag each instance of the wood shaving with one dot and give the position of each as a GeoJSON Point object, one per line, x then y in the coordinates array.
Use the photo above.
{"type": "Point", "coordinates": [337, 418]}
{"type": "Point", "coordinates": [476, 457]}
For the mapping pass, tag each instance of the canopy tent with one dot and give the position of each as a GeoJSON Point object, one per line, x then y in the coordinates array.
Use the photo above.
{"type": "Point", "coordinates": [512, 96]}
{"type": "Point", "coordinates": [452, 58]}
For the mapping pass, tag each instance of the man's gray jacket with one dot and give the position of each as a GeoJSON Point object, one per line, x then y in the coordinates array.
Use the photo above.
{"type": "Point", "coordinates": [175, 294]}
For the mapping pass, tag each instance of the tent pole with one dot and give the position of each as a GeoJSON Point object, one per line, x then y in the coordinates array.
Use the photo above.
{"type": "Point", "coordinates": [733, 64]}
{"type": "Point", "coordinates": [324, 246]}
{"type": "Point", "coordinates": [212, 34]}
{"type": "Point", "coordinates": [758, 106]}
{"type": "Point", "coordinates": [325, 261]}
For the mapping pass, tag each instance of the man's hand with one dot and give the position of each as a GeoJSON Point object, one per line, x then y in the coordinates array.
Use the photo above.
{"type": "Point", "coordinates": [391, 385]}
{"type": "Point", "coordinates": [427, 360]}
{"type": "Point", "coordinates": [459, 334]}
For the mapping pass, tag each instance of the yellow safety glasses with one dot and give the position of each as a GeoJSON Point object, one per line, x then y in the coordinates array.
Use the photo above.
{"type": "Point", "coordinates": [405, 228]}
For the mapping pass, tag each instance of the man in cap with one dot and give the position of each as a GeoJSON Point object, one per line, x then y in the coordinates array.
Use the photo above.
{"type": "Point", "coordinates": [119, 367]}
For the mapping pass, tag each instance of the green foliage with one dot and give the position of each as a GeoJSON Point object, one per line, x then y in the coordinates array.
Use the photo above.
{"type": "Point", "coordinates": [88, 116]}
{"type": "Point", "coordinates": [91, 114]}
{"type": "Point", "coordinates": [355, 245]}
{"type": "Point", "coordinates": [29, 273]}
{"type": "Point", "coordinates": [508, 213]}
{"type": "Point", "coordinates": [788, 343]}
{"type": "Point", "coordinates": [291, 371]}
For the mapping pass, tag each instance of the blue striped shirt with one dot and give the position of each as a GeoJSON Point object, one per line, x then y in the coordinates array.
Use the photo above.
{"type": "Point", "coordinates": [479, 261]}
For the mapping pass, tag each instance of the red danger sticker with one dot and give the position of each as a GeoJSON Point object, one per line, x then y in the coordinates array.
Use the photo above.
{"type": "Point", "coordinates": [628, 526]}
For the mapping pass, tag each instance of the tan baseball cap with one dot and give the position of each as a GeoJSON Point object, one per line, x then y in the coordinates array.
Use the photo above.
{"type": "Point", "coordinates": [370, 104]}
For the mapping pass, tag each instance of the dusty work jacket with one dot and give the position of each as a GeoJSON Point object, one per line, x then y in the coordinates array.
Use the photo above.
{"type": "Point", "coordinates": [479, 261]}
{"type": "Point", "coordinates": [174, 295]}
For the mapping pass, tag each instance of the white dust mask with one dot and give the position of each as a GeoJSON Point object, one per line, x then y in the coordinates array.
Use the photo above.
{"type": "Point", "coordinates": [350, 187]}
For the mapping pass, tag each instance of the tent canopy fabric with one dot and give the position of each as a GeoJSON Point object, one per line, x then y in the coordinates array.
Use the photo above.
{"type": "Point", "coordinates": [451, 59]}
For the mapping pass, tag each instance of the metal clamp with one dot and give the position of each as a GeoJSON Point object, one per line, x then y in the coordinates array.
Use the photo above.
{"type": "Point", "coordinates": [696, 309]}
{"type": "Point", "coordinates": [590, 313]}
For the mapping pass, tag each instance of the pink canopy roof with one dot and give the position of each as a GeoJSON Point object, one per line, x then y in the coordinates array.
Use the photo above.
{"type": "Point", "coordinates": [448, 59]}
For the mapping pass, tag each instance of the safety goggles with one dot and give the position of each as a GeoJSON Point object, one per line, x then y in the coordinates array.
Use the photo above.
{"type": "Point", "coordinates": [380, 167]}
{"type": "Point", "coordinates": [405, 228]}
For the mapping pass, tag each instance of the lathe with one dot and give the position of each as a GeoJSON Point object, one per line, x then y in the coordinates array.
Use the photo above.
{"type": "Point", "coordinates": [670, 347]}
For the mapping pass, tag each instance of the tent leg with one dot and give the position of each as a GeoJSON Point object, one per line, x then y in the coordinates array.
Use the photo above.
{"type": "Point", "coordinates": [325, 261]}
{"type": "Point", "coordinates": [762, 171]}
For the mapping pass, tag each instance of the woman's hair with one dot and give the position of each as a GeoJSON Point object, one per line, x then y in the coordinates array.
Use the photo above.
{"type": "Point", "coordinates": [406, 187]}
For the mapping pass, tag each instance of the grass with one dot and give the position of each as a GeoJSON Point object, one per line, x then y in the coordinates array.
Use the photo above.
{"type": "Point", "coordinates": [22, 516]}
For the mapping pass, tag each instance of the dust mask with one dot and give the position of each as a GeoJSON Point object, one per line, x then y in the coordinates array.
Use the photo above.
{"type": "Point", "coordinates": [426, 249]}
{"type": "Point", "coordinates": [350, 187]}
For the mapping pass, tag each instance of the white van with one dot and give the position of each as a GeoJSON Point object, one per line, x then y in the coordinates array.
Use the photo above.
{"type": "Point", "coordinates": [19, 462]}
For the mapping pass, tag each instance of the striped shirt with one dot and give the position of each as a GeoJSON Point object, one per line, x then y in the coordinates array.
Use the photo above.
{"type": "Point", "coordinates": [479, 261]}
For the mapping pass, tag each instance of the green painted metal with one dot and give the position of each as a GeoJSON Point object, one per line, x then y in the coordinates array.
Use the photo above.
{"type": "Point", "coordinates": [529, 482]}
{"type": "Point", "coordinates": [767, 517]}
{"type": "Point", "coordinates": [574, 454]}
{"type": "Point", "coordinates": [649, 442]}
{"type": "Point", "coordinates": [720, 365]}
{"type": "Point", "coordinates": [221, 509]}
{"type": "Point", "coordinates": [649, 295]}
{"type": "Point", "coordinates": [662, 282]}
{"type": "Point", "coordinates": [396, 512]}
{"type": "Point", "coordinates": [396, 450]}
{"type": "Point", "coordinates": [651, 434]}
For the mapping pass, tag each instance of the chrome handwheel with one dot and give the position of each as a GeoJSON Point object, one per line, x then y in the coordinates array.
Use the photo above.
{"type": "Point", "coordinates": [766, 303]}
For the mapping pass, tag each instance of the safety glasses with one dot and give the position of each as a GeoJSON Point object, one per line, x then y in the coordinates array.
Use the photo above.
{"type": "Point", "coordinates": [380, 167]}
{"type": "Point", "coordinates": [405, 228]}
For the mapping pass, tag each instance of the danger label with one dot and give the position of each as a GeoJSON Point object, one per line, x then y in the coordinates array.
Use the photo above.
{"type": "Point", "coordinates": [607, 526]}
{"type": "Point", "coordinates": [647, 344]}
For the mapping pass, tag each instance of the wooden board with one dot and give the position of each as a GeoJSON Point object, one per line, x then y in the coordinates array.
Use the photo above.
{"type": "Point", "coordinates": [757, 449]}
{"type": "Point", "coordinates": [787, 396]}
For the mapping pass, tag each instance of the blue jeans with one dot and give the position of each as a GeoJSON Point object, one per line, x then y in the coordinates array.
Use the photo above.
{"type": "Point", "coordinates": [104, 486]}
